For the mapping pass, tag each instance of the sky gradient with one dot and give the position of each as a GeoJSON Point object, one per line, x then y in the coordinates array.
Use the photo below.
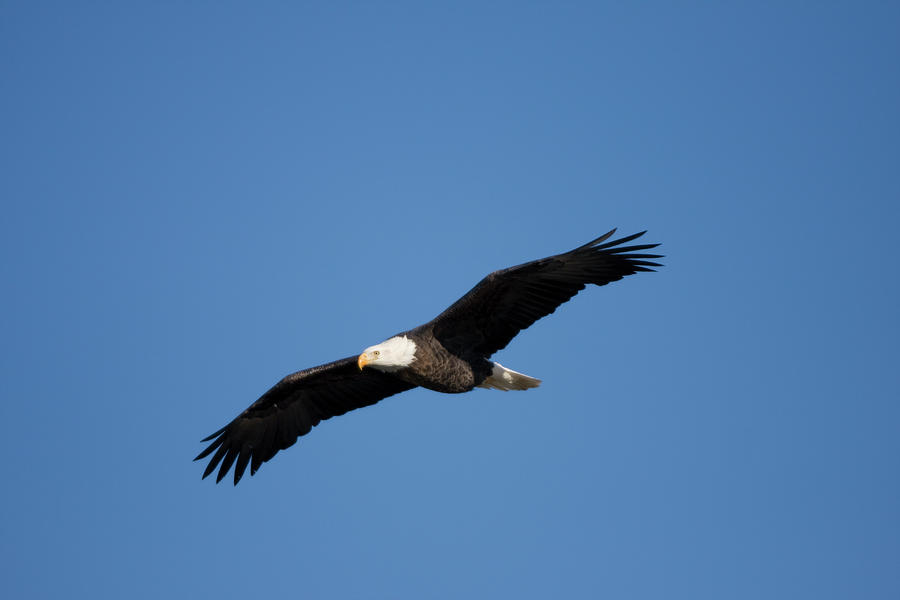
{"type": "Point", "coordinates": [199, 198]}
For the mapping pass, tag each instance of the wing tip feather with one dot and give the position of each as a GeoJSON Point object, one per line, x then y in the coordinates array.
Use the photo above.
{"type": "Point", "coordinates": [213, 435]}
{"type": "Point", "coordinates": [598, 240]}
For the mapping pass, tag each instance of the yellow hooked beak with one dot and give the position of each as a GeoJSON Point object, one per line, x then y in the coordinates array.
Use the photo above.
{"type": "Point", "coordinates": [362, 361]}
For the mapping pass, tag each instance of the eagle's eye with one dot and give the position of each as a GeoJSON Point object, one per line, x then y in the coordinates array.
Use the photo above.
{"type": "Point", "coordinates": [377, 353]}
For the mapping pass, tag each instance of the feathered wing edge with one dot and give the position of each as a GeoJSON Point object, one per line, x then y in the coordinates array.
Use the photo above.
{"type": "Point", "coordinates": [290, 409]}
{"type": "Point", "coordinates": [614, 247]}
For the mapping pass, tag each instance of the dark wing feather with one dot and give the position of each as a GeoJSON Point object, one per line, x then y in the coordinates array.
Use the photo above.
{"type": "Point", "coordinates": [505, 302]}
{"type": "Point", "coordinates": [290, 409]}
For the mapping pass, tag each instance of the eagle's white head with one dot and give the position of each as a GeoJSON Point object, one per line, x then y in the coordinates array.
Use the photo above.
{"type": "Point", "coordinates": [390, 355]}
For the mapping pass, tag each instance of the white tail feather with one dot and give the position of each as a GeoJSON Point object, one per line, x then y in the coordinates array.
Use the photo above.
{"type": "Point", "coordinates": [505, 379]}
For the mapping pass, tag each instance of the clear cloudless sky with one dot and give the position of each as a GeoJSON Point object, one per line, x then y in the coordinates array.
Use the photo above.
{"type": "Point", "coordinates": [201, 197]}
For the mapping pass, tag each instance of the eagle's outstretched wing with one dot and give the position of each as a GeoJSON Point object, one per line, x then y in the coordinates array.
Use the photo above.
{"type": "Point", "coordinates": [290, 409]}
{"type": "Point", "coordinates": [508, 301]}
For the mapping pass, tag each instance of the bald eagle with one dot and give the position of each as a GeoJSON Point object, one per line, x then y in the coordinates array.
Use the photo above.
{"type": "Point", "coordinates": [448, 354]}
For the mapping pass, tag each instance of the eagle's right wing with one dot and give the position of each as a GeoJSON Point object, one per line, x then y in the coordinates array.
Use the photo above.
{"type": "Point", "coordinates": [505, 302]}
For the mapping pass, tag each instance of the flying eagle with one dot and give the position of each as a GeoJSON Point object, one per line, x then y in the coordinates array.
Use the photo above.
{"type": "Point", "coordinates": [448, 354]}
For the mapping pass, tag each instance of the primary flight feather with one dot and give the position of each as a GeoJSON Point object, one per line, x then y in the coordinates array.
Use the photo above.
{"type": "Point", "coordinates": [448, 354]}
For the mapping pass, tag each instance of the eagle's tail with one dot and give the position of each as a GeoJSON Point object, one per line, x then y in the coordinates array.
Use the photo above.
{"type": "Point", "coordinates": [505, 379]}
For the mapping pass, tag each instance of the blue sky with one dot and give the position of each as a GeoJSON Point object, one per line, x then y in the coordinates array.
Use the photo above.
{"type": "Point", "coordinates": [199, 198]}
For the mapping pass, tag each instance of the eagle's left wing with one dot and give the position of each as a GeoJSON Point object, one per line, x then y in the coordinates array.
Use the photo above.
{"type": "Point", "coordinates": [291, 408]}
